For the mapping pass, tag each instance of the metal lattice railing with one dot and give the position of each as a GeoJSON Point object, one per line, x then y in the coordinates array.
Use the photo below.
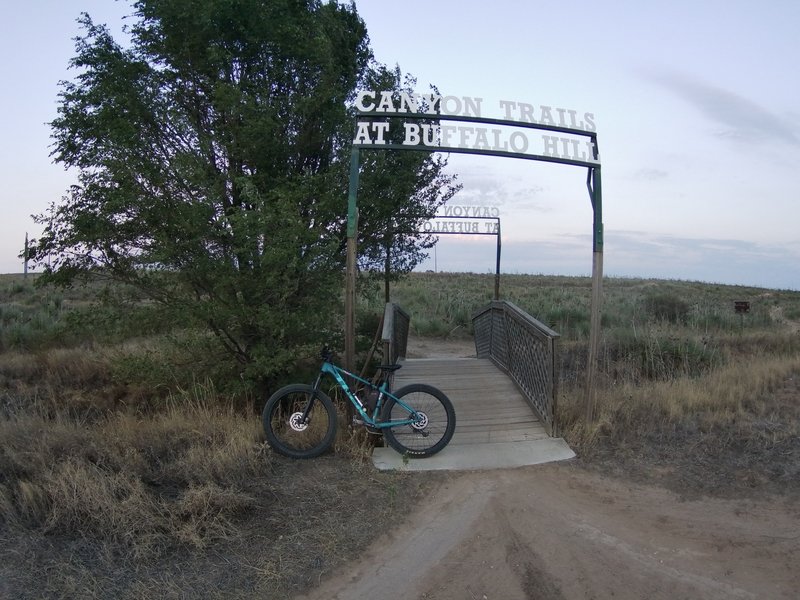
{"type": "Point", "coordinates": [525, 349]}
{"type": "Point", "coordinates": [395, 333]}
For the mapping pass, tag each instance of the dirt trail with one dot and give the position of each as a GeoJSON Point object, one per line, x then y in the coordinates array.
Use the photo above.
{"type": "Point", "coordinates": [557, 531]}
{"type": "Point", "coordinates": [776, 313]}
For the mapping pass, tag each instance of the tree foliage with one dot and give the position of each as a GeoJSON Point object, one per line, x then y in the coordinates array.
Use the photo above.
{"type": "Point", "coordinates": [212, 153]}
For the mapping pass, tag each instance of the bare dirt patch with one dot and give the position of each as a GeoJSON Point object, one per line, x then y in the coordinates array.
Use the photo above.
{"type": "Point", "coordinates": [557, 531]}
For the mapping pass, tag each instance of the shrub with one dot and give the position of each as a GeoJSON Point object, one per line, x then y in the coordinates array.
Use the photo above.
{"type": "Point", "coordinates": [569, 321]}
{"type": "Point", "coordinates": [666, 306]}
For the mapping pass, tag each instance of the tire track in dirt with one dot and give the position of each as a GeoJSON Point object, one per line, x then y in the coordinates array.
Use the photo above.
{"type": "Point", "coordinates": [399, 557]}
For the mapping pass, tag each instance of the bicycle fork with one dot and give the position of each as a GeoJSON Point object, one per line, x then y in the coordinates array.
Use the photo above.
{"type": "Point", "coordinates": [310, 404]}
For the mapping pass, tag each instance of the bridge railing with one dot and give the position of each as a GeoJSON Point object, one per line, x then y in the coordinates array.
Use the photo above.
{"type": "Point", "coordinates": [395, 333]}
{"type": "Point", "coordinates": [525, 349]}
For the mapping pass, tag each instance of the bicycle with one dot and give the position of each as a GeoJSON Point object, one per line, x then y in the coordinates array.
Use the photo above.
{"type": "Point", "coordinates": [300, 420]}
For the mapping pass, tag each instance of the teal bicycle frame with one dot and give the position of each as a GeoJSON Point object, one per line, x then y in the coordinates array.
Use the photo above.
{"type": "Point", "coordinates": [373, 420]}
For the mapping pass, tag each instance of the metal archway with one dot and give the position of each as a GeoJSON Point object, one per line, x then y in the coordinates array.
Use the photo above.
{"type": "Point", "coordinates": [557, 149]}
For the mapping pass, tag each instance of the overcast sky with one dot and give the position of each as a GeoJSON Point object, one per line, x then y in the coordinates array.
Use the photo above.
{"type": "Point", "coordinates": [695, 103]}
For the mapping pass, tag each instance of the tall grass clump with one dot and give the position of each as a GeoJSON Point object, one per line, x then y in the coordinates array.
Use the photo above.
{"type": "Point", "coordinates": [666, 306]}
{"type": "Point", "coordinates": [653, 354]}
{"type": "Point", "coordinates": [144, 484]}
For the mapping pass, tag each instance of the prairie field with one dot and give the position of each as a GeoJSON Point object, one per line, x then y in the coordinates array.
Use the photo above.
{"type": "Point", "coordinates": [133, 465]}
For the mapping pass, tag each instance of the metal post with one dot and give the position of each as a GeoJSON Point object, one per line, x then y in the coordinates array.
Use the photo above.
{"type": "Point", "coordinates": [352, 250]}
{"type": "Point", "coordinates": [497, 267]}
{"type": "Point", "coordinates": [596, 195]}
{"type": "Point", "coordinates": [25, 264]}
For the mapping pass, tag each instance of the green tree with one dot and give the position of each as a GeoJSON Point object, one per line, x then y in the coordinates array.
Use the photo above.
{"type": "Point", "coordinates": [212, 154]}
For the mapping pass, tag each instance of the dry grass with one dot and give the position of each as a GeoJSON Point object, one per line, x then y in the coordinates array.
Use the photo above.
{"type": "Point", "coordinates": [146, 484]}
{"type": "Point", "coordinates": [302, 520]}
{"type": "Point", "coordinates": [735, 429]}
{"type": "Point", "coordinates": [184, 498]}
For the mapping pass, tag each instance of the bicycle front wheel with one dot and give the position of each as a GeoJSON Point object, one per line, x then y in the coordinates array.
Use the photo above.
{"type": "Point", "coordinates": [290, 434]}
{"type": "Point", "coordinates": [436, 421]}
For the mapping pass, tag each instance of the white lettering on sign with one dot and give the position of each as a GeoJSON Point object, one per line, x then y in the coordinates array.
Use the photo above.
{"type": "Point", "coordinates": [363, 133]}
{"type": "Point", "coordinates": [469, 211]}
{"type": "Point", "coordinates": [465, 106]}
{"type": "Point", "coordinates": [427, 104]}
{"type": "Point", "coordinates": [504, 138]}
{"type": "Point", "coordinates": [437, 226]}
{"type": "Point", "coordinates": [481, 138]}
{"type": "Point", "coordinates": [464, 218]}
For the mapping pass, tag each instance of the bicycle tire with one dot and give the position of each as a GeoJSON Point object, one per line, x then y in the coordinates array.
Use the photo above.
{"type": "Point", "coordinates": [420, 441]}
{"type": "Point", "coordinates": [289, 437]}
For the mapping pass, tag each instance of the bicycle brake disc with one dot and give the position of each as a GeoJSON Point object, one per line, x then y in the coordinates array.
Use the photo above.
{"type": "Point", "coordinates": [296, 422]}
{"type": "Point", "coordinates": [422, 423]}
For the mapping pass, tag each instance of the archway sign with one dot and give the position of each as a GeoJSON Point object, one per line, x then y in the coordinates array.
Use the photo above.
{"type": "Point", "coordinates": [439, 123]}
{"type": "Point", "coordinates": [451, 226]}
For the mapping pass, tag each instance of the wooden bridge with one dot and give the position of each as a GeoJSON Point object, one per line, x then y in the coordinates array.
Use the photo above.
{"type": "Point", "coordinates": [489, 407]}
{"type": "Point", "coordinates": [505, 397]}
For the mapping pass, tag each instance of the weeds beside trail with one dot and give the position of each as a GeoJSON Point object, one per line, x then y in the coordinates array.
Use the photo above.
{"type": "Point", "coordinates": [142, 484]}
{"type": "Point", "coordinates": [735, 431]}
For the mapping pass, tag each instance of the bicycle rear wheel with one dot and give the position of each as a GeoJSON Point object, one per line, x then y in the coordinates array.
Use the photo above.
{"type": "Point", "coordinates": [287, 433]}
{"type": "Point", "coordinates": [435, 427]}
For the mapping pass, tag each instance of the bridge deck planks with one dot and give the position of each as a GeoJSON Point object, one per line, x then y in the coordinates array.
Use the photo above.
{"type": "Point", "coordinates": [489, 407]}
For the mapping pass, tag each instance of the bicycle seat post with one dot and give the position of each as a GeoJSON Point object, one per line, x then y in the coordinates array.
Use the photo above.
{"type": "Point", "coordinates": [388, 372]}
